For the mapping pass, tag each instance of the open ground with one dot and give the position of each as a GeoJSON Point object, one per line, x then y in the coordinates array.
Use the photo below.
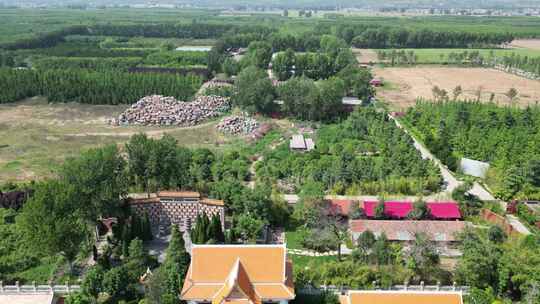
{"type": "Point", "coordinates": [35, 137]}
{"type": "Point", "coordinates": [365, 56]}
{"type": "Point", "coordinates": [405, 85]}
{"type": "Point", "coordinates": [527, 43]}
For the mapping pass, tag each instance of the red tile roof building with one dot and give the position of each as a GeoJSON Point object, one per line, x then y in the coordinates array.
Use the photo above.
{"type": "Point", "coordinates": [249, 274]}
{"type": "Point", "coordinates": [405, 231]}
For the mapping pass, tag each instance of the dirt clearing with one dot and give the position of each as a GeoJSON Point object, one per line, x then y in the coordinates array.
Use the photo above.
{"type": "Point", "coordinates": [403, 86]}
{"type": "Point", "coordinates": [35, 137]}
{"type": "Point", "coordinates": [365, 56]}
{"type": "Point", "coordinates": [526, 43]}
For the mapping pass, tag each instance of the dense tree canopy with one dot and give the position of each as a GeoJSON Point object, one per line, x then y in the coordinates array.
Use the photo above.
{"type": "Point", "coordinates": [487, 133]}
{"type": "Point", "coordinates": [366, 153]}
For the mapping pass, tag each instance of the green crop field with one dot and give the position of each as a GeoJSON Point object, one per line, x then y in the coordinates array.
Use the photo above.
{"type": "Point", "coordinates": [438, 56]}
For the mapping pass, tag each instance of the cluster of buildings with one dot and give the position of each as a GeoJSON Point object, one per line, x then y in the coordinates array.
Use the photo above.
{"type": "Point", "coordinates": [441, 227]}
{"type": "Point", "coordinates": [256, 274]}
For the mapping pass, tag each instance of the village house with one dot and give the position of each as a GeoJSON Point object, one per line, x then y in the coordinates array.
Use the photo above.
{"type": "Point", "coordinates": [401, 297]}
{"type": "Point", "coordinates": [443, 233]}
{"type": "Point", "coordinates": [250, 274]}
{"type": "Point", "coordinates": [300, 143]}
{"type": "Point", "coordinates": [177, 208]}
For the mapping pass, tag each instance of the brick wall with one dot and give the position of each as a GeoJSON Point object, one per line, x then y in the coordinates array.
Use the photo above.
{"type": "Point", "coordinates": [181, 213]}
{"type": "Point", "coordinates": [496, 219]}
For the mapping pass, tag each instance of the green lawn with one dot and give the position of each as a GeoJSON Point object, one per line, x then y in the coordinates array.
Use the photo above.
{"type": "Point", "coordinates": [294, 239]}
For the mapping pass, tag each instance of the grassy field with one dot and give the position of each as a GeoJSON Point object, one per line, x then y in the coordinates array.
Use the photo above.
{"type": "Point", "coordinates": [35, 137]}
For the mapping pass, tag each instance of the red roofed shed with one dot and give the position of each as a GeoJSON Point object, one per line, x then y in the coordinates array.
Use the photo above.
{"type": "Point", "coordinates": [400, 210]}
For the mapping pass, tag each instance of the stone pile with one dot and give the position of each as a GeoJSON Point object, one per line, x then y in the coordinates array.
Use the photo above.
{"type": "Point", "coordinates": [238, 125]}
{"type": "Point", "coordinates": [157, 110]}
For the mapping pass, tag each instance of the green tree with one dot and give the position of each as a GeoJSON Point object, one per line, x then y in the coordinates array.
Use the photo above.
{"type": "Point", "coordinates": [479, 265]}
{"type": "Point", "coordinates": [422, 257]}
{"type": "Point", "coordinates": [138, 151]}
{"type": "Point", "coordinates": [365, 243]}
{"type": "Point", "coordinates": [92, 283]}
{"type": "Point", "coordinates": [249, 227]}
{"type": "Point", "coordinates": [230, 66]}
{"type": "Point", "coordinates": [52, 223]}
{"type": "Point", "coordinates": [254, 91]}
{"type": "Point", "coordinates": [380, 212]}
{"type": "Point", "coordinates": [174, 268]}
{"type": "Point", "coordinates": [216, 232]}
{"type": "Point", "coordinates": [420, 211]}
{"type": "Point", "coordinates": [283, 64]}
{"type": "Point", "coordinates": [116, 283]}
{"type": "Point", "coordinates": [496, 234]}
{"type": "Point", "coordinates": [98, 177]}
{"type": "Point", "coordinates": [381, 251]}
{"type": "Point", "coordinates": [511, 94]}
{"type": "Point", "coordinates": [77, 298]}
{"type": "Point", "coordinates": [259, 54]}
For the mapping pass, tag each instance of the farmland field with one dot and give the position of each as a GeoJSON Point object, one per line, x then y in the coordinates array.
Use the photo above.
{"type": "Point", "coordinates": [440, 56]}
{"type": "Point", "coordinates": [36, 136]}
{"type": "Point", "coordinates": [409, 84]}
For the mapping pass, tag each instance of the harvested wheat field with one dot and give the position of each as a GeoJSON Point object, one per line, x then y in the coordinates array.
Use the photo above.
{"type": "Point", "coordinates": [35, 137]}
{"type": "Point", "coordinates": [403, 86]}
{"type": "Point", "coordinates": [526, 43]}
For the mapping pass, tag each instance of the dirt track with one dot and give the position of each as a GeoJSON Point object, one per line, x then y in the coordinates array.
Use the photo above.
{"type": "Point", "coordinates": [407, 84]}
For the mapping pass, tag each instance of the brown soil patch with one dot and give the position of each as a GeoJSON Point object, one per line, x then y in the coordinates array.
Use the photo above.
{"type": "Point", "coordinates": [403, 86]}
{"type": "Point", "coordinates": [365, 56]}
{"type": "Point", "coordinates": [526, 43]}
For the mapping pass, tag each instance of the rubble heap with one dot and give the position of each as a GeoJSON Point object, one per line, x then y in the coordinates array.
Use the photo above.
{"type": "Point", "coordinates": [238, 125]}
{"type": "Point", "coordinates": [167, 111]}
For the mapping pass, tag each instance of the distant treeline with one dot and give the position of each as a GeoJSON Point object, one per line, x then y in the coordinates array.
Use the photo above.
{"type": "Point", "coordinates": [358, 35]}
{"type": "Point", "coordinates": [90, 63]}
{"type": "Point", "coordinates": [103, 87]}
{"type": "Point", "coordinates": [47, 39]}
{"type": "Point", "coordinates": [366, 36]}
{"type": "Point", "coordinates": [161, 30]}
{"type": "Point", "coordinates": [166, 59]}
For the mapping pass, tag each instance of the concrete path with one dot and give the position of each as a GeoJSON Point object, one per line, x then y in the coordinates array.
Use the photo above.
{"type": "Point", "coordinates": [450, 180]}
{"type": "Point", "coordinates": [514, 222]}
{"type": "Point", "coordinates": [313, 253]}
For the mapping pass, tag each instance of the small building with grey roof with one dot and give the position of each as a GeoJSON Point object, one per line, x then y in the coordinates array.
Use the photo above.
{"type": "Point", "coordinates": [300, 143]}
